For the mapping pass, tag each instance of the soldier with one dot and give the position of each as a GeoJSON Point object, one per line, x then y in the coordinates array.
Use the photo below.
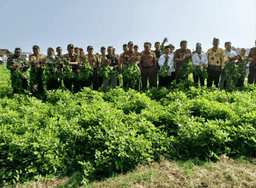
{"type": "Point", "coordinates": [199, 59]}
{"type": "Point", "coordinates": [178, 59]}
{"type": "Point", "coordinates": [229, 54]}
{"type": "Point", "coordinates": [73, 61]}
{"type": "Point", "coordinates": [129, 57]}
{"type": "Point", "coordinates": [16, 62]}
{"type": "Point", "coordinates": [113, 65]}
{"type": "Point", "coordinates": [148, 67]}
{"type": "Point", "coordinates": [166, 58]}
{"type": "Point", "coordinates": [215, 58]}
{"type": "Point", "coordinates": [37, 61]}
{"type": "Point", "coordinates": [252, 65]}
{"type": "Point", "coordinates": [94, 62]}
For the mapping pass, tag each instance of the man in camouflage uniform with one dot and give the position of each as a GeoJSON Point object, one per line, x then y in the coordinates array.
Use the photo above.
{"type": "Point", "coordinates": [37, 62]}
{"type": "Point", "coordinates": [16, 63]}
{"type": "Point", "coordinates": [73, 61]}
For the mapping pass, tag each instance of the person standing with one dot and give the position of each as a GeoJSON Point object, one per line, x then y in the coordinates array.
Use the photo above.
{"type": "Point", "coordinates": [102, 58]}
{"type": "Point", "coordinates": [148, 67]}
{"type": "Point", "coordinates": [113, 65]}
{"type": "Point", "coordinates": [14, 63]}
{"type": "Point", "coordinates": [199, 59]}
{"type": "Point", "coordinates": [72, 61]}
{"type": "Point", "coordinates": [52, 62]}
{"type": "Point", "coordinates": [178, 59]}
{"type": "Point", "coordinates": [129, 57]}
{"type": "Point", "coordinates": [166, 58]}
{"type": "Point", "coordinates": [252, 65]}
{"type": "Point", "coordinates": [226, 80]}
{"type": "Point", "coordinates": [242, 67]}
{"type": "Point", "coordinates": [215, 58]}
{"type": "Point", "coordinates": [37, 61]}
{"type": "Point", "coordinates": [94, 62]}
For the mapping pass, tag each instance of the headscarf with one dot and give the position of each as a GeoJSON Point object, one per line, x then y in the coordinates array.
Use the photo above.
{"type": "Point", "coordinates": [198, 45]}
{"type": "Point", "coordinates": [50, 58]}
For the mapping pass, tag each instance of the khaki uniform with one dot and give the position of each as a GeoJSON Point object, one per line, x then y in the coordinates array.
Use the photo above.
{"type": "Point", "coordinates": [36, 73]}
{"type": "Point", "coordinates": [180, 54]}
{"type": "Point", "coordinates": [148, 64]}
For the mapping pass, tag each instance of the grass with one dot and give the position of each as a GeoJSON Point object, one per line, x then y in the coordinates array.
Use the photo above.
{"type": "Point", "coordinates": [228, 172]}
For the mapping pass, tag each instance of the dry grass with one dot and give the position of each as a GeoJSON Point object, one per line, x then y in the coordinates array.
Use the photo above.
{"type": "Point", "coordinates": [225, 173]}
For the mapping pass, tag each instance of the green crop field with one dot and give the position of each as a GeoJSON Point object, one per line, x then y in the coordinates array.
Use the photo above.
{"type": "Point", "coordinates": [101, 134]}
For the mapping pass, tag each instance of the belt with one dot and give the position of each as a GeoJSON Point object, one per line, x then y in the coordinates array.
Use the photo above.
{"type": "Point", "coordinates": [147, 67]}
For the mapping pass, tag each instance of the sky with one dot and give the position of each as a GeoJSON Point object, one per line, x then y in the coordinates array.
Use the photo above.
{"type": "Point", "coordinates": [52, 23]}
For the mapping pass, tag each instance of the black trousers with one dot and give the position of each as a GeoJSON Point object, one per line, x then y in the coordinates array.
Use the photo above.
{"type": "Point", "coordinates": [85, 82]}
{"type": "Point", "coordinates": [240, 82]}
{"type": "Point", "coordinates": [198, 77]}
{"type": "Point", "coordinates": [213, 76]}
{"type": "Point", "coordinates": [167, 81]}
{"type": "Point", "coordinates": [74, 81]}
{"type": "Point", "coordinates": [53, 84]}
{"type": "Point", "coordinates": [252, 76]}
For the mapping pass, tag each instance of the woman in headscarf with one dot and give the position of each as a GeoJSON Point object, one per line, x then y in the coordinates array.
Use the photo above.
{"type": "Point", "coordinates": [243, 65]}
{"type": "Point", "coordinates": [53, 81]}
{"type": "Point", "coordinates": [199, 59]}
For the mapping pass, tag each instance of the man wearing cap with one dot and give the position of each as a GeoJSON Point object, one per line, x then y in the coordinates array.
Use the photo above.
{"type": "Point", "coordinates": [166, 58]}
{"type": "Point", "coordinates": [94, 62]}
{"type": "Point", "coordinates": [148, 67]}
{"type": "Point", "coordinates": [16, 62]}
{"type": "Point", "coordinates": [178, 59]}
{"type": "Point", "coordinates": [73, 61]}
{"type": "Point", "coordinates": [129, 57]}
{"type": "Point", "coordinates": [113, 65]}
{"type": "Point", "coordinates": [229, 53]}
{"type": "Point", "coordinates": [216, 58]}
{"type": "Point", "coordinates": [199, 59]}
{"type": "Point", "coordinates": [252, 65]}
{"type": "Point", "coordinates": [37, 61]}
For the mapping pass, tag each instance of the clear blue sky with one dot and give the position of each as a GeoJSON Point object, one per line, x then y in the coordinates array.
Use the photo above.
{"type": "Point", "coordinates": [52, 23]}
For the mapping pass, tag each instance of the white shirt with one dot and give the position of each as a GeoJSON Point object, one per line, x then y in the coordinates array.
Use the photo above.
{"type": "Point", "coordinates": [170, 62]}
{"type": "Point", "coordinates": [50, 61]}
{"type": "Point", "coordinates": [231, 53]}
{"type": "Point", "coordinates": [196, 59]}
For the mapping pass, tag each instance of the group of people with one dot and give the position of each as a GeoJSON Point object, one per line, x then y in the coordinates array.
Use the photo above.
{"type": "Point", "coordinates": [216, 62]}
